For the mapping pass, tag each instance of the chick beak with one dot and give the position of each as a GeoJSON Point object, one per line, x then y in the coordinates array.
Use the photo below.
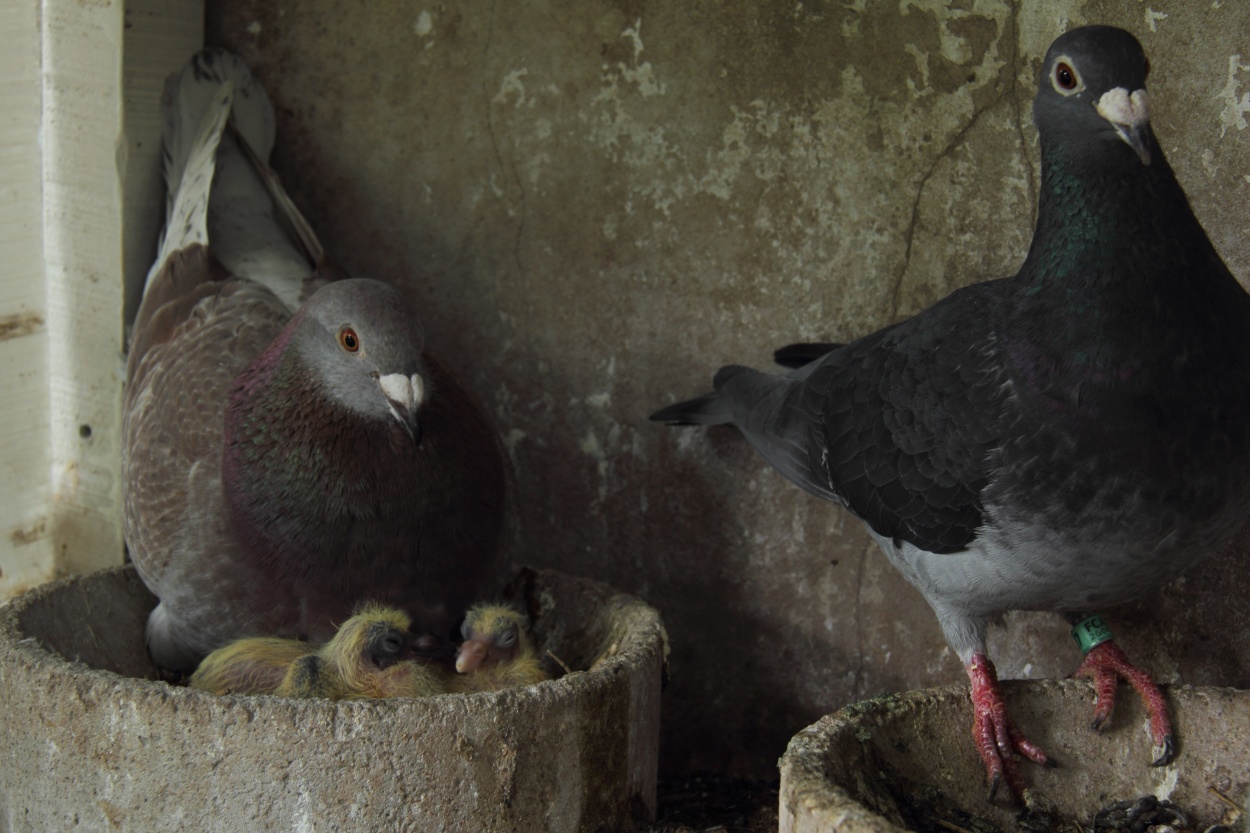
{"type": "Point", "coordinates": [427, 647]}
{"type": "Point", "coordinates": [1130, 116]}
{"type": "Point", "coordinates": [404, 394]}
{"type": "Point", "coordinates": [473, 652]}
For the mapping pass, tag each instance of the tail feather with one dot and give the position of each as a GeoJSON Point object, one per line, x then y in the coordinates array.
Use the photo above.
{"type": "Point", "coordinates": [803, 353]}
{"type": "Point", "coordinates": [192, 95]}
{"type": "Point", "coordinates": [219, 132]}
{"type": "Point", "coordinates": [190, 166]}
{"type": "Point", "coordinates": [721, 407]}
{"type": "Point", "coordinates": [760, 406]}
{"type": "Point", "coordinates": [708, 409]}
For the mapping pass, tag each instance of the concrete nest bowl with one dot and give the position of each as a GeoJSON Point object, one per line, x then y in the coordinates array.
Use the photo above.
{"type": "Point", "coordinates": [906, 762]}
{"type": "Point", "coordinates": [90, 740]}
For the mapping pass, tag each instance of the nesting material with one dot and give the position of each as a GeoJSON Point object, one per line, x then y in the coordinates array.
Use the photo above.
{"type": "Point", "coordinates": [905, 762]}
{"type": "Point", "coordinates": [90, 738]}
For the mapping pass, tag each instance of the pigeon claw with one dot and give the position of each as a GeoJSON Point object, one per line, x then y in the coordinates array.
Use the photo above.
{"type": "Point", "coordinates": [1030, 750]}
{"type": "Point", "coordinates": [996, 739]}
{"type": "Point", "coordinates": [1106, 665]}
{"type": "Point", "coordinates": [1167, 751]}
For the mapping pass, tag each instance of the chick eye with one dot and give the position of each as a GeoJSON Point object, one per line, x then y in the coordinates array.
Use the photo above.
{"type": "Point", "coordinates": [507, 639]}
{"type": "Point", "coordinates": [392, 643]}
{"type": "Point", "coordinates": [1065, 77]}
{"type": "Point", "coordinates": [348, 340]}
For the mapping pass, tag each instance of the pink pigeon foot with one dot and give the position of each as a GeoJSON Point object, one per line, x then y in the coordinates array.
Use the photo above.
{"type": "Point", "coordinates": [1106, 664]}
{"type": "Point", "coordinates": [993, 734]}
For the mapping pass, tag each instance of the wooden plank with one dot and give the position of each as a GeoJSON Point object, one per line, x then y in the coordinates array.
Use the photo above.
{"type": "Point", "coordinates": [25, 543]}
{"type": "Point", "coordinates": [77, 228]}
{"type": "Point", "coordinates": [82, 208]}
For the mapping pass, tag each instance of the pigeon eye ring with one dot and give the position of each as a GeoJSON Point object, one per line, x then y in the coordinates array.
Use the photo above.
{"type": "Point", "coordinates": [1065, 79]}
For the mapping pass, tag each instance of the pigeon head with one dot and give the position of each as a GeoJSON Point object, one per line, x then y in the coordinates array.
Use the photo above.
{"type": "Point", "coordinates": [375, 637]}
{"type": "Point", "coordinates": [1091, 98]}
{"type": "Point", "coordinates": [387, 644]}
{"type": "Point", "coordinates": [363, 343]}
{"type": "Point", "coordinates": [492, 634]}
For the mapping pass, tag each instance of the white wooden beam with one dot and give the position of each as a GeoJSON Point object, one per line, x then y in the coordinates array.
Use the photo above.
{"type": "Point", "coordinates": [79, 163]}
{"type": "Point", "coordinates": [25, 544]}
{"type": "Point", "coordinates": [82, 230]}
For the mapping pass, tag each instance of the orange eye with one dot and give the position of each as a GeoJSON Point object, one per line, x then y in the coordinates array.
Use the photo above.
{"type": "Point", "coordinates": [1065, 77]}
{"type": "Point", "coordinates": [348, 340]}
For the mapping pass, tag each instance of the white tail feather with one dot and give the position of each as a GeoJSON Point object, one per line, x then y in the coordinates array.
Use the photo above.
{"type": "Point", "coordinates": [219, 131]}
{"type": "Point", "coordinates": [186, 217]}
{"type": "Point", "coordinates": [193, 93]}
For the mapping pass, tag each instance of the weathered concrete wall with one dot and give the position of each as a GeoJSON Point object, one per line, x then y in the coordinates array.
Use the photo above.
{"type": "Point", "coordinates": [599, 203]}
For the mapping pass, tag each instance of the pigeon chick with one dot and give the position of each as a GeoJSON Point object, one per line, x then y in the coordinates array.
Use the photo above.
{"type": "Point", "coordinates": [289, 448]}
{"type": "Point", "coordinates": [260, 664]}
{"type": "Point", "coordinates": [1064, 439]}
{"type": "Point", "coordinates": [256, 665]}
{"type": "Point", "coordinates": [496, 652]}
{"type": "Point", "coordinates": [370, 657]}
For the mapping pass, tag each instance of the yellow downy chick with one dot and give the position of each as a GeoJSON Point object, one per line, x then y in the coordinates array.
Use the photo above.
{"type": "Point", "coordinates": [496, 652]}
{"type": "Point", "coordinates": [307, 678]}
{"type": "Point", "coordinates": [369, 657]}
{"type": "Point", "coordinates": [248, 666]}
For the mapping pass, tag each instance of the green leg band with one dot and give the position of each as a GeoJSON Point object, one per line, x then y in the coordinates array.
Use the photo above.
{"type": "Point", "coordinates": [1090, 632]}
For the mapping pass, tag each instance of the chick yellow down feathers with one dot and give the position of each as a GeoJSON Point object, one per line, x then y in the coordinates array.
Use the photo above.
{"type": "Point", "coordinates": [496, 652]}
{"type": "Point", "coordinates": [370, 656]}
{"type": "Point", "coordinates": [248, 666]}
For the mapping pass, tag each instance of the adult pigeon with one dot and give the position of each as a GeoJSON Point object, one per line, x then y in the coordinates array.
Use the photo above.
{"type": "Point", "coordinates": [290, 451]}
{"type": "Point", "coordinates": [1064, 439]}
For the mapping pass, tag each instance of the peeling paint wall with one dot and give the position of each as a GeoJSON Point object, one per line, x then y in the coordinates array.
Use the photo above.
{"type": "Point", "coordinates": [599, 204]}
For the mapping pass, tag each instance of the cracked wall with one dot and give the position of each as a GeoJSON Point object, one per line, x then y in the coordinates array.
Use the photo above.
{"type": "Point", "coordinates": [598, 204]}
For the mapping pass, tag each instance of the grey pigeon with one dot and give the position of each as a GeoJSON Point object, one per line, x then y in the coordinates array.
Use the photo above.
{"type": "Point", "coordinates": [1064, 439]}
{"type": "Point", "coordinates": [290, 451]}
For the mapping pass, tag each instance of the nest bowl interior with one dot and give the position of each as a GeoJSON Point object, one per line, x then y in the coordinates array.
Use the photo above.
{"type": "Point", "coordinates": [91, 738]}
{"type": "Point", "coordinates": [906, 762]}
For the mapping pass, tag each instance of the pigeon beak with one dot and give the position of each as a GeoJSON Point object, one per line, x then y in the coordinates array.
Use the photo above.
{"type": "Point", "coordinates": [1130, 116]}
{"type": "Point", "coordinates": [427, 647]}
{"type": "Point", "coordinates": [404, 394]}
{"type": "Point", "coordinates": [472, 654]}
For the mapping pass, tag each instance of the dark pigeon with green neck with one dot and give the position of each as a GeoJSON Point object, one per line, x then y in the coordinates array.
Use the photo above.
{"type": "Point", "coordinates": [1062, 440]}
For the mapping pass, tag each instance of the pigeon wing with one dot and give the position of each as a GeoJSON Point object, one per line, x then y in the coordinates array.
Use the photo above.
{"type": "Point", "coordinates": [896, 426]}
